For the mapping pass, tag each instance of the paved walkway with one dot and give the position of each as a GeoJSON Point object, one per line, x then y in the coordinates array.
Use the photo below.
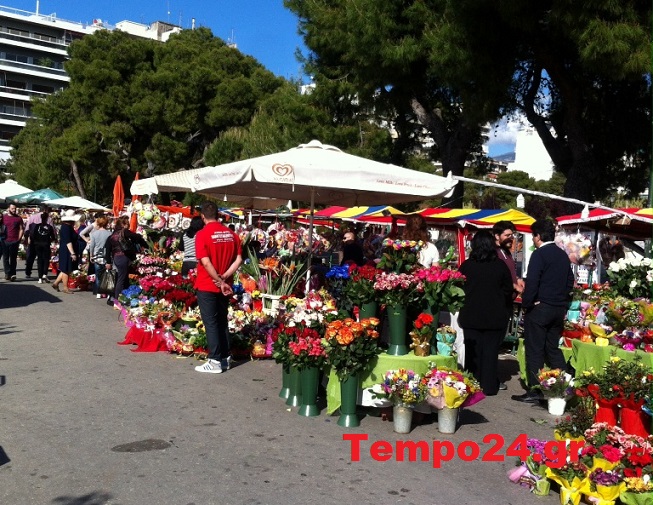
{"type": "Point", "coordinates": [84, 421]}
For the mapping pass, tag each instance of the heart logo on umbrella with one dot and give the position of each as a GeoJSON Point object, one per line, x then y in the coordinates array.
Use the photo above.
{"type": "Point", "coordinates": [282, 170]}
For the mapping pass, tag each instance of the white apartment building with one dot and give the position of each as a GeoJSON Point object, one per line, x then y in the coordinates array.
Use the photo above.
{"type": "Point", "coordinates": [33, 48]}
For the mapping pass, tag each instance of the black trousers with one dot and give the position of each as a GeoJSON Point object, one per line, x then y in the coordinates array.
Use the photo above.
{"type": "Point", "coordinates": [30, 256]}
{"type": "Point", "coordinates": [542, 329]}
{"type": "Point", "coordinates": [42, 253]}
{"type": "Point", "coordinates": [482, 357]}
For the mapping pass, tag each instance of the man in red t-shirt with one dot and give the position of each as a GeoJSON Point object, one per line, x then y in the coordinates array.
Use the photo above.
{"type": "Point", "coordinates": [15, 227]}
{"type": "Point", "coordinates": [219, 255]}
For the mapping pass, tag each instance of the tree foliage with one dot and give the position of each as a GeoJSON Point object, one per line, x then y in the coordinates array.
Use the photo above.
{"type": "Point", "coordinates": [396, 59]}
{"type": "Point", "coordinates": [135, 105]}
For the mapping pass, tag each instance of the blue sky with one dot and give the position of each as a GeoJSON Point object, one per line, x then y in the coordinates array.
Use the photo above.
{"type": "Point", "coordinates": [263, 29]}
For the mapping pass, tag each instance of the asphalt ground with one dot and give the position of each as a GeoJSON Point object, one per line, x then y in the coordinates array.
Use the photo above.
{"type": "Point", "coordinates": [84, 421]}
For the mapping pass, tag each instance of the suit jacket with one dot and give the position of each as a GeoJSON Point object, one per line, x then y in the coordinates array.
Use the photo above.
{"type": "Point", "coordinates": [488, 295]}
{"type": "Point", "coordinates": [549, 278]}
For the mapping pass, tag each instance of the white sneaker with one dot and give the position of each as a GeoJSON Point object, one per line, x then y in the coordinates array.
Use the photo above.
{"type": "Point", "coordinates": [226, 363]}
{"type": "Point", "coordinates": [40, 281]}
{"type": "Point", "coordinates": [211, 366]}
{"type": "Point", "coordinates": [98, 296]}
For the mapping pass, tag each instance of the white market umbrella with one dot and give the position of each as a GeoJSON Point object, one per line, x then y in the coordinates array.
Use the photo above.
{"type": "Point", "coordinates": [310, 172]}
{"type": "Point", "coordinates": [313, 172]}
{"type": "Point", "coordinates": [11, 188]}
{"type": "Point", "coordinates": [75, 202]}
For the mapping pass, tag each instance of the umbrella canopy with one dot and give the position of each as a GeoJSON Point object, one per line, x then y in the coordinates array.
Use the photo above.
{"type": "Point", "coordinates": [631, 222]}
{"type": "Point", "coordinates": [11, 188]}
{"type": "Point", "coordinates": [310, 172]}
{"type": "Point", "coordinates": [118, 197]}
{"type": "Point", "coordinates": [35, 197]}
{"type": "Point", "coordinates": [133, 219]}
{"type": "Point", "coordinates": [76, 202]}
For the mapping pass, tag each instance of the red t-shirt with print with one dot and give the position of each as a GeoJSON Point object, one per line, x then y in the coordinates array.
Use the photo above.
{"type": "Point", "coordinates": [221, 245]}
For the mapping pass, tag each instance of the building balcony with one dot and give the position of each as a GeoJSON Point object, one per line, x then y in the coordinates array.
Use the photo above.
{"type": "Point", "coordinates": [33, 39]}
{"type": "Point", "coordinates": [9, 66]}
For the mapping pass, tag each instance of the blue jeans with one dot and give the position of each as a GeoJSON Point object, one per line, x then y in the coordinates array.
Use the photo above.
{"type": "Point", "coordinates": [214, 308]}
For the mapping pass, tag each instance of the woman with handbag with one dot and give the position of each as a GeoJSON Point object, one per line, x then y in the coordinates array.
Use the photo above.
{"type": "Point", "coordinates": [98, 240]}
{"type": "Point", "coordinates": [122, 246]}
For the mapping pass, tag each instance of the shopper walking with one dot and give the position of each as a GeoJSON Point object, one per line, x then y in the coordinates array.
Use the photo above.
{"type": "Point", "coordinates": [15, 228]}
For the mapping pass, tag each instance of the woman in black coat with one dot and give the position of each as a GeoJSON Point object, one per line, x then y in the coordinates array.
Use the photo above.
{"type": "Point", "coordinates": [488, 304]}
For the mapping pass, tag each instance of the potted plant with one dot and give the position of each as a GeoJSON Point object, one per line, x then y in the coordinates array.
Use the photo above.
{"type": "Point", "coordinates": [572, 478]}
{"type": "Point", "coordinates": [557, 386]}
{"type": "Point", "coordinates": [404, 389]}
{"type": "Point", "coordinates": [350, 346]}
{"type": "Point", "coordinates": [421, 334]}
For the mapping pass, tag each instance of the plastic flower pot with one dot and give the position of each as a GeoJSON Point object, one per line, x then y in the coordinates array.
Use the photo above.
{"type": "Point", "coordinates": [295, 386]}
{"type": "Point", "coordinates": [397, 330]}
{"type": "Point", "coordinates": [556, 406]}
{"type": "Point", "coordinates": [367, 310]}
{"type": "Point", "coordinates": [285, 381]}
{"type": "Point", "coordinates": [348, 398]}
{"type": "Point", "coordinates": [309, 378]}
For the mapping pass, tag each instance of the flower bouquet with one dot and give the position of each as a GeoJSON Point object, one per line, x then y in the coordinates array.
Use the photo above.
{"type": "Point", "coordinates": [400, 256]}
{"type": "Point", "coordinates": [451, 388]}
{"type": "Point", "coordinates": [578, 420]}
{"type": "Point", "coordinates": [605, 457]}
{"type": "Point", "coordinates": [78, 280]}
{"type": "Point", "coordinates": [532, 472]}
{"type": "Point", "coordinates": [572, 478]}
{"type": "Point", "coordinates": [396, 289]}
{"type": "Point", "coordinates": [442, 288]}
{"type": "Point", "coordinates": [631, 277]}
{"type": "Point", "coordinates": [401, 387]}
{"type": "Point", "coordinates": [337, 279]}
{"type": "Point", "coordinates": [445, 337]}
{"type": "Point", "coordinates": [360, 288]}
{"type": "Point", "coordinates": [351, 345]}
{"type": "Point", "coordinates": [421, 334]}
{"type": "Point", "coordinates": [637, 491]}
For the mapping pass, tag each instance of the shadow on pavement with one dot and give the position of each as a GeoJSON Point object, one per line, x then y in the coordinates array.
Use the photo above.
{"type": "Point", "coordinates": [21, 294]}
{"type": "Point", "coordinates": [4, 459]}
{"type": "Point", "coordinates": [95, 498]}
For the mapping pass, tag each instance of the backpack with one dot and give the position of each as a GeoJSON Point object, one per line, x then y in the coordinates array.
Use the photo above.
{"type": "Point", "coordinates": [42, 234]}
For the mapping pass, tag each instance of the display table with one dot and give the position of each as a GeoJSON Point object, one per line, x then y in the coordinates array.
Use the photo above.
{"type": "Point", "coordinates": [586, 355]}
{"type": "Point", "coordinates": [379, 366]}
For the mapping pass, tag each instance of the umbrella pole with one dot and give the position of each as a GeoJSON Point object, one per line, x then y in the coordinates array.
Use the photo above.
{"type": "Point", "coordinates": [310, 243]}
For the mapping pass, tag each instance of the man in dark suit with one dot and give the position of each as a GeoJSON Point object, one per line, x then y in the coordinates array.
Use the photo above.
{"type": "Point", "coordinates": [545, 300]}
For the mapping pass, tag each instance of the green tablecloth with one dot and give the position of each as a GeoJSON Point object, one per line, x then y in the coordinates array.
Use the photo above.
{"type": "Point", "coordinates": [586, 355]}
{"type": "Point", "coordinates": [379, 366]}
{"type": "Point", "coordinates": [521, 357]}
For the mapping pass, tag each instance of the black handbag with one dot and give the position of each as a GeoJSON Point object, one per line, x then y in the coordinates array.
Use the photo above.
{"type": "Point", "coordinates": [107, 282]}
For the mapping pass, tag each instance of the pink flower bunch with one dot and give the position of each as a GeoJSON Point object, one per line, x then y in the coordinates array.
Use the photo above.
{"type": "Point", "coordinates": [397, 289]}
{"type": "Point", "coordinates": [438, 274]}
{"type": "Point", "coordinates": [389, 281]}
{"type": "Point", "coordinates": [311, 346]}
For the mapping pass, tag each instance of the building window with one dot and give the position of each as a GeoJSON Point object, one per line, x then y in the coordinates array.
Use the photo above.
{"type": "Point", "coordinates": [16, 84]}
